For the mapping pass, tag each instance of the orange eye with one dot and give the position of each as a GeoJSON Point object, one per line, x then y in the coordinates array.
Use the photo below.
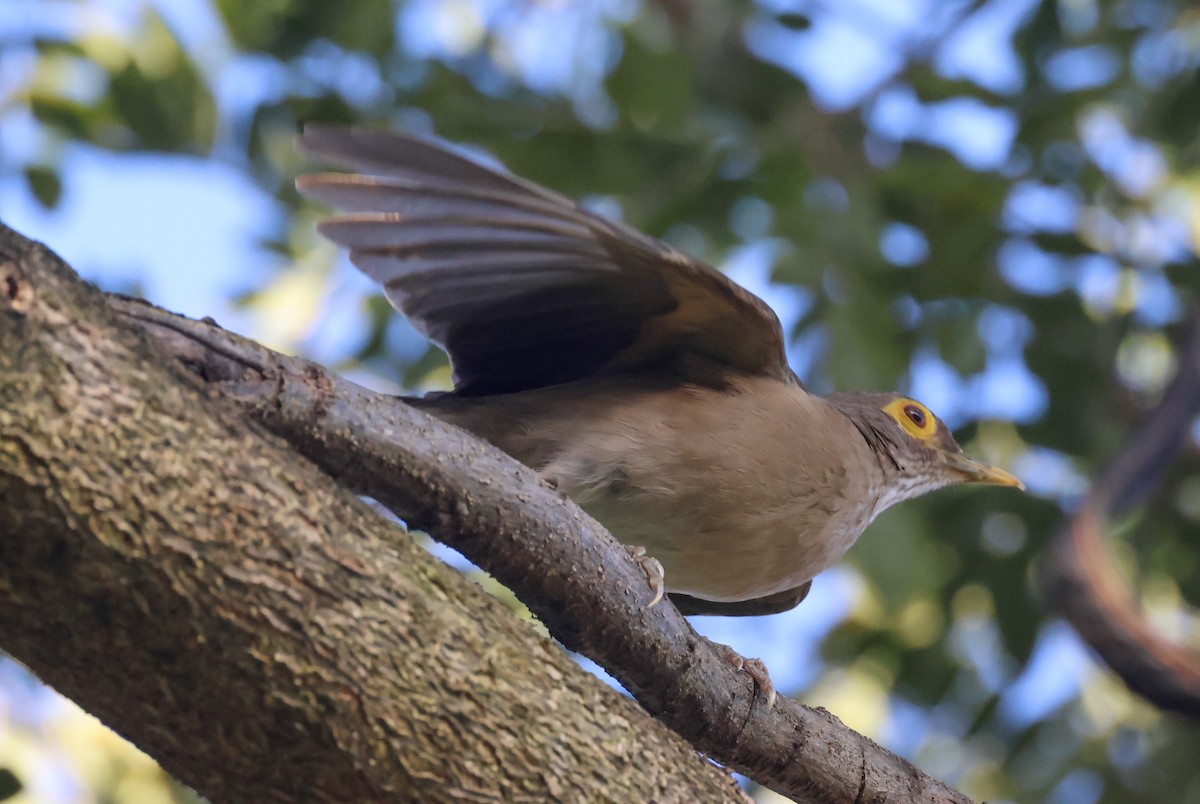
{"type": "Point", "coordinates": [915, 415]}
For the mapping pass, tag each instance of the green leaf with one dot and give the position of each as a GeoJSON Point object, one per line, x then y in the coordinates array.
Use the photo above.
{"type": "Point", "coordinates": [10, 785]}
{"type": "Point", "coordinates": [73, 119]}
{"type": "Point", "coordinates": [794, 21]}
{"type": "Point", "coordinates": [45, 184]}
{"type": "Point", "coordinates": [653, 88]}
{"type": "Point", "coordinates": [160, 94]}
{"type": "Point", "coordinates": [286, 28]}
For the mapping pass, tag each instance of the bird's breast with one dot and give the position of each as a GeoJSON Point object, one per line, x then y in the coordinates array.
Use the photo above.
{"type": "Point", "coordinates": [738, 493]}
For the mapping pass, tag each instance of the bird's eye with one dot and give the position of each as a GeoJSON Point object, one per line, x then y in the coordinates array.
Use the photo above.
{"type": "Point", "coordinates": [915, 415]}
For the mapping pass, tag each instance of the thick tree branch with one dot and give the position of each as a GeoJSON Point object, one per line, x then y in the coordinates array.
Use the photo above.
{"type": "Point", "coordinates": [223, 603]}
{"type": "Point", "coordinates": [1080, 577]}
{"type": "Point", "coordinates": [560, 562]}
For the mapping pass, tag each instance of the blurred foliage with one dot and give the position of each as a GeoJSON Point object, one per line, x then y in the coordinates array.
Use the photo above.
{"type": "Point", "coordinates": [1032, 298]}
{"type": "Point", "coordinates": [51, 750]}
{"type": "Point", "coordinates": [10, 785]}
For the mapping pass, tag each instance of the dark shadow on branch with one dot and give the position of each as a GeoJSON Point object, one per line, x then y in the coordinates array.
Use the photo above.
{"type": "Point", "coordinates": [1079, 576]}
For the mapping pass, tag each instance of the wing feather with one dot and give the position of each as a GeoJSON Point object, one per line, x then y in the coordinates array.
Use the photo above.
{"type": "Point", "coordinates": [521, 286]}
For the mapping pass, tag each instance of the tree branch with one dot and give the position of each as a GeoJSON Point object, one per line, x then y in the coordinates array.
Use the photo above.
{"type": "Point", "coordinates": [220, 601]}
{"type": "Point", "coordinates": [1079, 576]}
{"type": "Point", "coordinates": [571, 573]}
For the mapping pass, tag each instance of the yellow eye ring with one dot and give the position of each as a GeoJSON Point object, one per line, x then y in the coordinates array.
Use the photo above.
{"type": "Point", "coordinates": [915, 418]}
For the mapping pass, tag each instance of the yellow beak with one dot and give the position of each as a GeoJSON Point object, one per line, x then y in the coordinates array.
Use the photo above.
{"type": "Point", "coordinates": [972, 471]}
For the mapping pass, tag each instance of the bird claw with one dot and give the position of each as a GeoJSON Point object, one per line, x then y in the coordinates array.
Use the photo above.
{"type": "Point", "coordinates": [552, 480]}
{"type": "Point", "coordinates": [752, 667]}
{"type": "Point", "coordinates": [761, 678]}
{"type": "Point", "coordinates": [655, 574]}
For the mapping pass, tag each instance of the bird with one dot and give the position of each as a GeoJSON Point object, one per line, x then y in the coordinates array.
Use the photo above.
{"type": "Point", "coordinates": [644, 384]}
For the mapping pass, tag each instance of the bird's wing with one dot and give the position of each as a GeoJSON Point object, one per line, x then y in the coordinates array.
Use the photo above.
{"type": "Point", "coordinates": [521, 286]}
{"type": "Point", "coordinates": [786, 600]}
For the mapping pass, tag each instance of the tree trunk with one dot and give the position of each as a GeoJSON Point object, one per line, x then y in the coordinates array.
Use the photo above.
{"type": "Point", "coordinates": [218, 600]}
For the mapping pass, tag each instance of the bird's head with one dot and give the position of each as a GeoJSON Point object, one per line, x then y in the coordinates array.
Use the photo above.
{"type": "Point", "coordinates": [915, 448]}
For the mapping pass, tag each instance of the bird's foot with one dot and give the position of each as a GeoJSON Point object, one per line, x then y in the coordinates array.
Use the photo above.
{"type": "Point", "coordinates": [552, 480]}
{"type": "Point", "coordinates": [751, 667]}
{"type": "Point", "coordinates": [655, 574]}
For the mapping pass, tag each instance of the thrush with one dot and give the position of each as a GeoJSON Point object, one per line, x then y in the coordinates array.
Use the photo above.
{"type": "Point", "coordinates": [644, 384]}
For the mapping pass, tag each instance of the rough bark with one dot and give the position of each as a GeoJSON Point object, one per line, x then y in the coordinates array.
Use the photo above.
{"type": "Point", "coordinates": [225, 605]}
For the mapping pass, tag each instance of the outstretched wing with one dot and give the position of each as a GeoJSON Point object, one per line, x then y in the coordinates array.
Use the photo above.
{"type": "Point", "coordinates": [521, 286]}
